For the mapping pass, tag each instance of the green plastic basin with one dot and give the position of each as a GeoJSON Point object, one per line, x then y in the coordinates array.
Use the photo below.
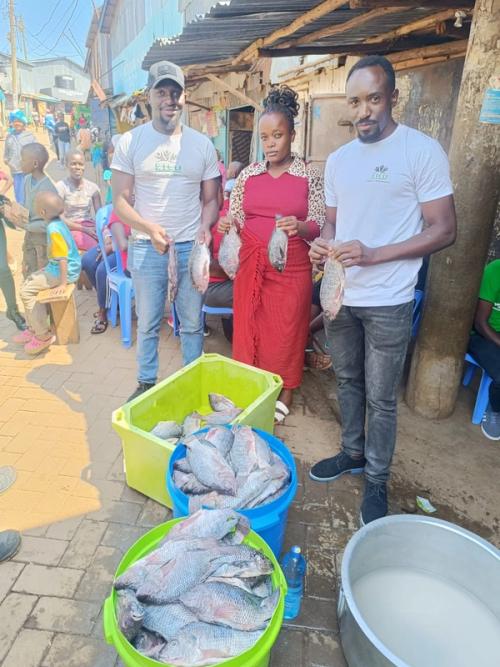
{"type": "Point", "coordinates": [257, 656]}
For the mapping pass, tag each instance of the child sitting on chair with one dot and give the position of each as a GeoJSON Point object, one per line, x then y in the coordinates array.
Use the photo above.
{"type": "Point", "coordinates": [63, 267]}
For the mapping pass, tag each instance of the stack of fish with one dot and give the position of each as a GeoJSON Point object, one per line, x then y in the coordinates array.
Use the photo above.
{"type": "Point", "coordinates": [201, 597]}
{"type": "Point", "coordinates": [230, 468]}
{"type": "Point", "coordinates": [224, 411]}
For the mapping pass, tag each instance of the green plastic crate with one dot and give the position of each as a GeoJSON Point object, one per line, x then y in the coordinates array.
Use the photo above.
{"type": "Point", "coordinates": [146, 457]}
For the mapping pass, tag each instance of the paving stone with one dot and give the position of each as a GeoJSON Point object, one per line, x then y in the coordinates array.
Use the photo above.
{"type": "Point", "coordinates": [97, 581]}
{"type": "Point", "coordinates": [41, 550]}
{"type": "Point", "coordinates": [133, 496]}
{"type": "Point", "coordinates": [28, 649]}
{"type": "Point", "coordinates": [9, 573]}
{"type": "Point", "coordinates": [36, 531]}
{"type": "Point", "coordinates": [62, 615]}
{"type": "Point", "coordinates": [14, 611]}
{"type": "Point", "coordinates": [323, 649]}
{"type": "Point", "coordinates": [296, 534]}
{"type": "Point", "coordinates": [290, 642]}
{"type": "Point", "coordinates": [309, 514]}
{"type": "Point", "coordinates": [117, 511]}
{"type": "Point", "coordinates": [321, 580]}
{"type": "Point", "coordinates": [153, 513]}
{"type": "Point", "coordinates": [82, 547]}
{"type": "Point", "coordinates": [43, 580]}
{"type": "Point", "coordinates": [117, 472]}
{"type": "Point", "coordinates": [122, 537]}
{"type": "Point", "coordinates": [75, 651]}
{"type": "Point", "coordinates": [315, 614]}
{"type": "Point", "coordinates": [64, 530]}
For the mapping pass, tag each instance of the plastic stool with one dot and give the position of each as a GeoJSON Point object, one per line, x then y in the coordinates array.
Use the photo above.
{"type": "Point", "coordinates": [483, 396]}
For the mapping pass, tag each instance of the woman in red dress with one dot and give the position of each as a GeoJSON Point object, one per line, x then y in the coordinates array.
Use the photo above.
{"type": "Point", "coordinates": [272, 309]}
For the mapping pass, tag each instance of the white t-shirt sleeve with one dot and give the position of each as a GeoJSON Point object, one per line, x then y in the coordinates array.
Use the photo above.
{"type": "Point", "coordinates": [61, 189]}
{"type": "Point", "coordinates": [330, 195]}
{"type": "Point", "coordinates": [122, 158]}
{"type": "Point", "coordinates": [431, 172]}
{"type": "Point", "coordinates": [211, 165]}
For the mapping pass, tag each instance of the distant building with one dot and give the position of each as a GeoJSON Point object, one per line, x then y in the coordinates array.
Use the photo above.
{"type": "Point", "coordinates": [62, 78]}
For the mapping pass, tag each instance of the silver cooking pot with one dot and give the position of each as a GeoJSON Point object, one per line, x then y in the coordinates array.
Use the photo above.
{"type": "Point", "coordinates": [418, 542]}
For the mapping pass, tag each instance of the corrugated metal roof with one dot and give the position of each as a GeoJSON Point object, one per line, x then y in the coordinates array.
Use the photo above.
{"type": "Point", "coordinates": [227, 29]}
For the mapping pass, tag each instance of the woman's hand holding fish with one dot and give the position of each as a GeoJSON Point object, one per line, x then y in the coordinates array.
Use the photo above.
{"type": "Point", "coordinates": [354, 253]}
{"type": "Point", "coordinates": [225, 223]}
{"type": "Point", "coordinates": [319, 250]}
{"type": "Point", "coordinates": [289, 224]}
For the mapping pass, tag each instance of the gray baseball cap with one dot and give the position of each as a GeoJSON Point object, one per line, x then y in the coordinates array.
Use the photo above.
{"type": "Point", "coordinates": [165, 70]}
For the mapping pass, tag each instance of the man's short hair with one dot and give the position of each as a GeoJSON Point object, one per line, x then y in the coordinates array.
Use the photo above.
{"type": "Point", "coordinates": [376, 61]}
{"type": "Point", "coordinates": [38, 152]}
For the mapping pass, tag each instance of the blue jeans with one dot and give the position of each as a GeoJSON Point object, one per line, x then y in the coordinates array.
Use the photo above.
{"type": "Point", "coordinates": [19, 187]}
{"type": "Point", "coordinates": [368, 347]}
{"type": "Point", "coordinates": [96, 272]}
{"type": "Point", "coordinates": [149, 272]}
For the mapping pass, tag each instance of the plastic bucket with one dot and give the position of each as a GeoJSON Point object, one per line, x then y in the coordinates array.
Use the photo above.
{"type": "Point", "coordinates": [257, 656]}
{"type": "Point", "coordinates": [269, 521]}
{"type": "Point", "coordinates": [146, 456]}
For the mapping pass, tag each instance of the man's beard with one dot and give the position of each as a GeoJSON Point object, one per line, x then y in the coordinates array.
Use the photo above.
{"type": "Point", "coordinates": [171, 123]}
{"type": "Point", "coordinates": [372, 136]}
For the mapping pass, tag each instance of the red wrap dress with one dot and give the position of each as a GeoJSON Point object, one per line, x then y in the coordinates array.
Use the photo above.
{"type": "Point", "coordinates": [272, 309]}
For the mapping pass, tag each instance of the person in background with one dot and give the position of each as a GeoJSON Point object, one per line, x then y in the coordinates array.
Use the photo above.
{"type": "Point", "coordinates": [484, 344]}
{"type": "Point", "coordinates": [389, 199]}
{"type": "Point", "coordinates": [82, 121]}
{"type": "Point", "coordinates": [62, 133]}
{"type": "Point", "coordinates": [63, 267]}
{"type": "Point", "coordinates": [272, 309]}
{"type": "Point", "coordinates": [222, 168]}
{"type": "Point", "coordinates": [220, 288]}
{"type": "Point", "coordinates": [51, 129]}
{"type": "Point", "coordinates": [7, 286]}
{"type": "Point", "coordinates": [84, 139]}
{"type": "Point", "coordinates": [82, 200]}
{"type": "Point", "coordinates": [14, 142]}
{"type": "Point", "coordinates": [172, 170]}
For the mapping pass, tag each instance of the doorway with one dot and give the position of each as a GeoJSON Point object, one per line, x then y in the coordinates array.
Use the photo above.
{"type": "Point", "coordinates": [241, 124]}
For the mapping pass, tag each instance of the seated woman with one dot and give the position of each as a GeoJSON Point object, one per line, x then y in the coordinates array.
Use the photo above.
{"type": "Point", "coordinates": [82, 199]}
{"type": "Point", "coordinates": [95, 269]}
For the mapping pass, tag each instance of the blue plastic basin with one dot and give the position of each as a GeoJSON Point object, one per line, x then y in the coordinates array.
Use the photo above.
{"type": "Point", "coordinates": [268, 521]}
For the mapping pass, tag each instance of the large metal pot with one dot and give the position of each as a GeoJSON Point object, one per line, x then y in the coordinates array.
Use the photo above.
{"type": "Point", "coordinates": [420, 543]}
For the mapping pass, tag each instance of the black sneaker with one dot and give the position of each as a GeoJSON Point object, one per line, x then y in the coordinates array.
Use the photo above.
{"type": "Point", "coordinates": [15, 316]}
{"type": "Point", "coordinates": [329, 469]}
{"type": "Point", "coordinates": [141, 388]}
{"type": "Point", "coordinates": [374, 505]}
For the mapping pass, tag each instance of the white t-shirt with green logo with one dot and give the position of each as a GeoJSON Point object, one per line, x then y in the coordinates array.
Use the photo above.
{"type": "Point", "coordinates": [378, 190]}
{"type": "Point", "coordinates": [168, 172]}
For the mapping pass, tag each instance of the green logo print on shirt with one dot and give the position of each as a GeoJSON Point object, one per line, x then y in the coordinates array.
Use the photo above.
{"type": "Point", "coordinates": [380, 173]}
{"type": "Point", "coordinates": [166, 162]}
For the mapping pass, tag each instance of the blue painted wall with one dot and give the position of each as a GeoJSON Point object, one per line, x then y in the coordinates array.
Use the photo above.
{"type": "Point", "coordinates": [128, 74]}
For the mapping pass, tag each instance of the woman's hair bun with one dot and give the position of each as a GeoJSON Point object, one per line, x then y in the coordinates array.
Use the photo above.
{"type": "Point", "coordinates": [282, 96]}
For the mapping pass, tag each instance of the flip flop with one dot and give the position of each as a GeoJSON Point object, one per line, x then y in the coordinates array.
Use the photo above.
{"type": "Point", "coordinates": [280, 412]}
{"type": "Point", "coordinates": [99, 327]}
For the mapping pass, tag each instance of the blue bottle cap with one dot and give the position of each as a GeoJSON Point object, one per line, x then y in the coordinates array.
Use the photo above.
{"type": "Point", "coordinates": [296, 550]}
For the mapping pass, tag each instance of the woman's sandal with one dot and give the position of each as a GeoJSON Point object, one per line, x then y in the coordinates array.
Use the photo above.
{"type": "Point", "coordinates": [99, 327]}
{"type": "Point", "coordinates": [280, 412]}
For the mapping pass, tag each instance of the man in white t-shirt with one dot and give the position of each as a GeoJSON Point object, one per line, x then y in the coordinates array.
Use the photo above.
{"type": "Point", "coordinates": [389, 203]}
{"type": "Point", "coordinates": [173, 172]}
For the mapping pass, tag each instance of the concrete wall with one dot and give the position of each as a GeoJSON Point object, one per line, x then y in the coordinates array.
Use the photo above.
{"type": "Point", "coordinates": [45, 72]}
{"type": "Point", "coordinates": [25, 74]}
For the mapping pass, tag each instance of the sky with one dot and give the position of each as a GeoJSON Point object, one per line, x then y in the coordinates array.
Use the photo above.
{"type": "Point", "coordinates": [63, 35]}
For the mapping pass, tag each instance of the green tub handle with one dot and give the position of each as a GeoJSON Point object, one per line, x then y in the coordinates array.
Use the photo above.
{"type": "Point", "coordinates": [108, 618]}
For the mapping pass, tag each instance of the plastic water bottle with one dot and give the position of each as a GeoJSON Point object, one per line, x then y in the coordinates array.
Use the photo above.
{"type": "Point", "coordinates": [294, 569]}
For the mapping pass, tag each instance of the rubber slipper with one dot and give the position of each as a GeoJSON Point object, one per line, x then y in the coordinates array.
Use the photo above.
{"type": "Point", "coordinates": [280, 412]}
{"type": "Point", "coordinates": [99, 327]}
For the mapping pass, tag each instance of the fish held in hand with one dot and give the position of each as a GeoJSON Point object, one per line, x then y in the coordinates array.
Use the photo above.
{"type": "Point", "coordinates": [277, 249]}
{"type": "Point", "coordinates": [199, 266]}
{"type": "Point", "coordinates": [172, 272]}
{"type": "Point", "coordinates": [201, 644]}
{"type": "Point", "coordinates": [229, 253]}
{"type": "Point", "coordinates": [230, 606]}
{"type": "Point", "coordinates": [332, 288]}
{"type": "Point", "coordinates": [129, 612]}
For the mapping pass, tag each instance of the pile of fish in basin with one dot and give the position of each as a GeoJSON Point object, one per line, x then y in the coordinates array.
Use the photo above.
{"type": "Point", "coordinates": [232, 468]}
{"type": "Point", "coordinates": [201, 597]}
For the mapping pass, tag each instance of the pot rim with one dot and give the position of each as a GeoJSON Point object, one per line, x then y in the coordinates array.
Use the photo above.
{"type": "Point", "coordinates": [373, 526]}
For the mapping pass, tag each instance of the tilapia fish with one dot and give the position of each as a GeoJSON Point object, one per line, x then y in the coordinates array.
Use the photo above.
{"type": "Point", "coordinates": [230, 606]}
{"type": "Point", "coordinates": [277, 249]}
{"type": "Point", "coordinates": [188, 483]}
{"type": "Point", "coordinates": [129, 612]}
{"type": "Point", "coordinates": [168, 619]}
{"type": "Point", "coordinates": [191, 424]}
{"type": "Point", "coordinates": [200, 644]}
{"type": "Point", "coordinates": [210, 467]}
{"type": "Point", "coordinates": [229, 252]}
{"type": "Point", "coordinates": [172, 272]}
{"type": "Point", "coordinates": [166, 430]}
{"type": "Point", "coordinates": [221, 438]}
{"type": "Point", "coordinates": [199, 266]}
{"type": "Point", "coordinates": [219, 402]}
{"type": "Point", "coordinates": [221, 417]}
{"type": "Point", "coordinates": [149, 644]}
{"type": "Point", "coordinates": [213, 524]}
{"type": "Point", "coordinates": [332, 288]}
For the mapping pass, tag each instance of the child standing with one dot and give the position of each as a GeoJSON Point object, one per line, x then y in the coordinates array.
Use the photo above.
{"type": "Point", "coordinates": [63, 267]}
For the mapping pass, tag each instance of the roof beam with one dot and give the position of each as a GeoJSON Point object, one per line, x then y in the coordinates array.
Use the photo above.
{"type": "Point", "coordinates": [323, 8]}
{"type": "Point", "coordinates": [226, 87]}
{"type": "Point", "coordinates": [342, 27]}
{"type": "Point", "coordinates": [420, 24]}
{"type": "Point", "coordinates": [336, 49]}
{"type": "Point", "coordinates": [402, 4]}
{"type": "Point", "coordinates": [449, 49]}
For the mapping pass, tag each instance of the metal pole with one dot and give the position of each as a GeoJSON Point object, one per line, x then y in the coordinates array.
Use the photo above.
{"type": "Point", "coordinates": [13, 55]}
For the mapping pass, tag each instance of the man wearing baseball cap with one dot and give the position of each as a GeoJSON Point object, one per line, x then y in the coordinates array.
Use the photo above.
{"type": "Point", "coordinates": [173, 172]}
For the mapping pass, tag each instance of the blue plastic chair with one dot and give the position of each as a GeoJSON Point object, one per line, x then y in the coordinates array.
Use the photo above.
{"type": "Point", "coordinates": [206, 310]}
{"type": "Point", "coordinates": [120, 286]}
{"type": "Point", "coordinates": [483, 393]}
{"type": "Point", "coordinates": [417, 312]}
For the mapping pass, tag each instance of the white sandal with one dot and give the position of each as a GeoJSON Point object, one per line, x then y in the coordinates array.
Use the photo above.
{"type": "Point", "coordinates": [280, 412]}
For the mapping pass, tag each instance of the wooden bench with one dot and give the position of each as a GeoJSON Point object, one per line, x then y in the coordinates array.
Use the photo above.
{"type": "Point", "coordinates": [62, 312]}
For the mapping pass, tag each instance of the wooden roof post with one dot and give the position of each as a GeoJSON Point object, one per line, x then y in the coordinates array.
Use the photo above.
{"type": "Point", "coordinates": [455, 273]}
